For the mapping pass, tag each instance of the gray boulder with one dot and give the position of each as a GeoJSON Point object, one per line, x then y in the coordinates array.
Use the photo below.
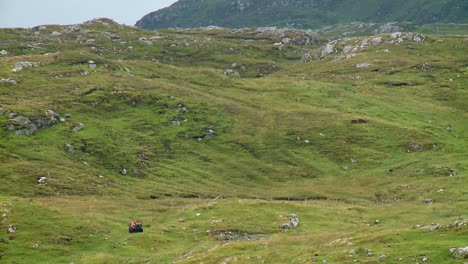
{"type": "Point", "coordinates": [376, 41]}
{"type": "Point", "coordinates": [347, 49]}
{"type": "Point", "coordinates": [363, 65]}
{"type": "Point", "coordinates": [305, 38]}
{"type": "Point", "coordinates": [42, 180]}
{"type": "Point", "coordinates": [78, 127]}
{"type": "Point", "coordinates": [23, 125]}
{"type": "Point", "coordinates": [3, 52]}
{"type": "Point", "coordinates": [271, 32]}
{"type": "Point", "coordinates": [71, 29]}
{"type": "Point", "coordinates": [387, 28]}
{"type": "Point", "coordinates": [19, 66]}
{"type": "Point", "coordinates": [395, 35]}
{"type": "Point", "coordinates": [459, 253]}
{"type": "Point", "coordinates": [11, 229]}
{"type": "Point", "coordinates": [306, 57]}
{"type": "Point", "coordinates": [325, 51]}
{"type": "Point", "coordinates": [231, 73]}
{"type": "Point", "coordinates": [70, 149]}
{"type": "Point", "coordinates": [92, 64]}
{"type": "Point", "coordinates": [286, 41]}
{"type": "Point", "coordinates": [8, 80]}
{"type": "Point", "coordinates": [293, 223]}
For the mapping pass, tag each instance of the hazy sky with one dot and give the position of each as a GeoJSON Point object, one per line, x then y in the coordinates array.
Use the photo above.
{"type": "Point", "coordinates": [30, 13]}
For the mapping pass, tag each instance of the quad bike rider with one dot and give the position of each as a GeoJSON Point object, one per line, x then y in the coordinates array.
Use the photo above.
{"type": "Point", "coordinates": [135, 227]}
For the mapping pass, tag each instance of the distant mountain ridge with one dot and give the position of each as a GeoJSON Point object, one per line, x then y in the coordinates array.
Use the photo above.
{"type": "Point", "coordinates": [302, 13]}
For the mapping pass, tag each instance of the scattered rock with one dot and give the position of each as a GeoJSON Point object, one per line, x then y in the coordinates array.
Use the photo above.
{"type": "Point", "coordinates": [145, 41]}
{"type": "Point", "coordinates": [382, 258]}
{"type": "Point", "coordinates": [23, 125]}
{"type": "Point", "coordinates": [428, 201]}
{"type": "Point", "coordinates": [19, 66]}
{"type": "Point", "coordinates": [305, 38]}
{"type": "Point", "coordinates": [456, 225]}
{"type": "Point", "coordinates": [364, 43]}
{"type": "Point", "coordinates": [347, 49]}
{"type": "Point", "coordinates": [182, 108]}
{"type": "Point", "coordinates": [71, 29]}
{"type": "Point", "coordinates": [70, 149]}
{"type": "Point", "coordinates": [287, 41]}
{"type": "Point", "coordinates": [3, 52]}
{"type": "Point", "coordinates": [383, 51]}
{"type": "Point", "coordinates": [124, 171]}
{"type": "Point", "coordinates": [293, 223]}
{"type": "Point", "coordinates": [56, 33]}
{"type": "Point", "coordinates": [271, 32]}
{"type": "Point", "coordinates": [376, 41]}
{"type": "Point", "coordinates": [42, 180]}
{"type": "Point", "coordinates": [231, 73]}
{"type": "Point", "coordinates": [459, 253]}
{"type": "Point", "coordinates": [307, 57]}
{"type": "Point", "coordinates": [142, 156]}
{"type": "Point", "coordinates": [325, 51]}
{"type": "Point", "coordinates": [86, 163]}
{"type": "Point", "coordinates": [90, 41]}
{"type": "Point", "coordinates": [11, 229]}
{"type": "Point", "coordinates": [395, 35]}
{"type": "Point", "coordinates": [370, 252]}
{"type": "Point", "coordinates": [51, 113]}
{"type": "Point", "coordinates": [209, 133]}
{"type": "Point", "coordinates": [415, 148]}
{"type": "Point", "coordinates": [8, 80]}
{"type": "Point", "coordinates": [92, 64]}
{"type": "Point", "coordinates": [78, 127]}
{"type": "Point", "coordinates": [113, 37]}
{"type": "Point", "coordinates": [363, 65]}
{"type": "Point", "coordinates": [387, 28]}
{"type": "Point", "coordinates": [358, 121]}
{"type": "Point", "coordinates": [236, 235]}
{"type": "Point", "coordinates": [452, 172]}
{"type": "Point", "coordinates": [63, 240]}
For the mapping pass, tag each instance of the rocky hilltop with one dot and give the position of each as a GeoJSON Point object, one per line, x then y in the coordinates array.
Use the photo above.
{"type": "Point", "coordinates": [310, 14]}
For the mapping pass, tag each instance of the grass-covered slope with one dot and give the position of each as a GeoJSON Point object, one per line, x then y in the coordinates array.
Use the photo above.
{"type": "Point", "coordinates": [201, 133]}
{"type": "Point", "coordinates": [302, 13]}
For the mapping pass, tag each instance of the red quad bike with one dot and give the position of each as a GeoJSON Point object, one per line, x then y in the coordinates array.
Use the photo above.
{"type": "Point", "coordinates": [137, 229]}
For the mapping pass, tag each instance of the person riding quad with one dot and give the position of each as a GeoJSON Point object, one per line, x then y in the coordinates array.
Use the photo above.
{"type": "Point", "coordinates": [135, 227]}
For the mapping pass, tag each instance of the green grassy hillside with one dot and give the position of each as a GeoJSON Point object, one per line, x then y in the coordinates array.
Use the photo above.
{"type": "Point", "coordinates": [302, 13]}
{"type": "Point", "coordinates": [212, 138]}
